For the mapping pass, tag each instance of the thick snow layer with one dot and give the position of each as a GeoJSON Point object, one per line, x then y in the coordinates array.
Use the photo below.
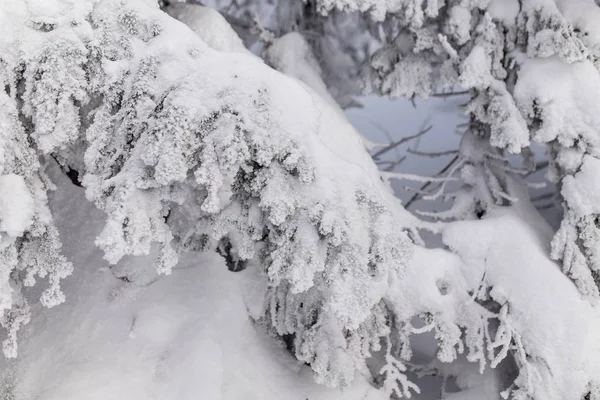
{"type": "Point", "coordinates": [557, 328]}
{"type": "Point", "coordinates": [581, 190]}
{"type": "Point", "coordinates": [505, 11]}
{"type": "Point", "coordinates": [476, 69]}
{"type": "Point", "coordinates": [188, 336]}
{"type": "Point", "coordinates": [584, 16]}
{"type": "Point", "coordinates": [16, 205]}
{"type": "Point", "coordinates": [206, 120]}
{"type": "Point", "coordinates": [554, 330]}
{"type": "Point", "coordinates": [292, 55]}
{"type": "Point", "coordinates": [210, 25]}
{"type": "Point", "coordinates": [568, 106]}
{"type": "Point", "coordinates": [141, 337]}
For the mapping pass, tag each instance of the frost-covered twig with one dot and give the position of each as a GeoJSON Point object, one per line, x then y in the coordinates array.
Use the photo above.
{"type": "Point", "coordinates": [391, 165]}
{"type": "Point", "coordinates": [448, 47]}
{"type": "Point", "coordinates": [395, 380]}
{"type": "Point", "coordinates": [426, 185]}
{"type": "Point", "coordinates": [415, 178]}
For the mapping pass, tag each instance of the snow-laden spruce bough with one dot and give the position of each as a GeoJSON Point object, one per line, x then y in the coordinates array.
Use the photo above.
{"type": "Point", "coordinates": [192, 149]}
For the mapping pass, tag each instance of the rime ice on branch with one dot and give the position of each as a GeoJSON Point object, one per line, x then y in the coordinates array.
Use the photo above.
{"type": "Point", "coordinates": [190, 148]}
{"type": "Point", "coordinates": [196, 149]}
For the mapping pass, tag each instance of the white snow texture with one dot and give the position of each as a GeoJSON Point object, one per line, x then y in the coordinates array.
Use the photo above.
{"type": "Point", "coordinates": [188, 144]}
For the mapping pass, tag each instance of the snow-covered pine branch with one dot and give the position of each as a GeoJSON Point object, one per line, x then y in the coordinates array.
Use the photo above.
{"type": "Point", "coordinates": [505, 54]}
{"type": "Point", "coordinates": [531, 68]}
{"type": "Point", "coordinates": [189, 147]}
{"type": "Point", "coordinates": [198, 149]}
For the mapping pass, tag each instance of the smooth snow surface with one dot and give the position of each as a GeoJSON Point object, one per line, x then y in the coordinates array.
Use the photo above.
{"type": "Point", "coordinates": [292, 55]}
{"type": "Point", "coordinates": [182, 337]}
{"type": "Point", "coordinates": [210, 25]}
{"type": "Point", "coordinates": [504, 10]}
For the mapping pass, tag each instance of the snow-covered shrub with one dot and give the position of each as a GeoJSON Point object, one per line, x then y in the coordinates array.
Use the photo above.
{"type": "Point", "coordinates": [531, 69]}
{"type": "Point", "coordinates": [506, 53]}
{"type": "Point", "coordinates": [29, 243]}
{"type": "Point", "coordinates": [192, 148]}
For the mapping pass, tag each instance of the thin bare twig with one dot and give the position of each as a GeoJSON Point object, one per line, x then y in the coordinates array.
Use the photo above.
{"type": "Point", "coordinates": [395, 164]}
{"type": "Point", "coordinates": [543, 196]}
{"type": "Point", "coordinates": [545, 206]}
{"type": "Point", "coordinates": [432, 154]}
{"type": "Point", "coordinates": [400, 141]}
{"type": "Point", "coordinates": [539, 166]}
{"type": "Point", "coordinates": [385, 132]}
